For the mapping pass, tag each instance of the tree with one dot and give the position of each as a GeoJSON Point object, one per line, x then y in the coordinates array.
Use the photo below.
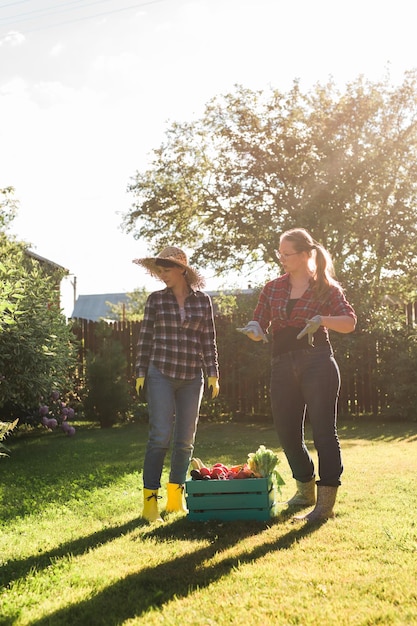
{"type": "Point", "coordinates": [341, 164]}
{"type": "Point", "coordinates": [134, 310]}
{"type": "Point", "coordinates": [8, 207]}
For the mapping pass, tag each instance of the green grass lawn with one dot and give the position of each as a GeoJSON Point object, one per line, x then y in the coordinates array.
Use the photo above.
{"type": "Point", "coordinates": [74, 550]}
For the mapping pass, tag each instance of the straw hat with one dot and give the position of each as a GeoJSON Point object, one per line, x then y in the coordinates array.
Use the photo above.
{"type": "Point", "coordinates": [177, 256]}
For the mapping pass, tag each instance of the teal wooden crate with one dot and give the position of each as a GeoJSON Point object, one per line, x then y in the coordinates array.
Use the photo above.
{"type": "Point", "coordinates": [236, 499]}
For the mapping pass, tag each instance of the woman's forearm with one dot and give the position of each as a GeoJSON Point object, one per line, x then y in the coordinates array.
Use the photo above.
{"type": "Point", "coordinates": [339, 323]}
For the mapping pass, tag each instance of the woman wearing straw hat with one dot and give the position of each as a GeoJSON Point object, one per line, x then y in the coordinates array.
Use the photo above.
{"type": "Point", "coordinates": [176, 348]}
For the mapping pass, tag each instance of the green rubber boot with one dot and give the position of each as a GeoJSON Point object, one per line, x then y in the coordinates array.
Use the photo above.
{"type": "Point", "coordinates": [305, 494]}
{"type": "Point", "coordinates": [326, 498]}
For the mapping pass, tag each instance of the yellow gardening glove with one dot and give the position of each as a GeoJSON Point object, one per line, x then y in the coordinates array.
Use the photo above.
{"type": "Point", "coordinates": [213, 386]}
{"type": "Point", "coordinates": [253, 331]}
{"type": "Point", "coordinates": [140, 388]}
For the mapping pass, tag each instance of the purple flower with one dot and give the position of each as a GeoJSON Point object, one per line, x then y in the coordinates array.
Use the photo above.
{"type": "Point", "coordinates": [44, 410]}
{"type": "Point", "coordinates": [55, 395]}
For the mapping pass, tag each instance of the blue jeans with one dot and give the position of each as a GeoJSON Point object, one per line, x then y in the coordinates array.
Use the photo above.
{"type": "Point", "coordinates": [174, 407]}
{"type": "Point", "coordinates": [308, 382]}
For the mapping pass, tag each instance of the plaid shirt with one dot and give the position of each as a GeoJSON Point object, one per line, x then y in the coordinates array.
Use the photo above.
{"type": "Point", "coordinates": [178, 349]}
{"type": "Point", "coordinates": [271, 310]}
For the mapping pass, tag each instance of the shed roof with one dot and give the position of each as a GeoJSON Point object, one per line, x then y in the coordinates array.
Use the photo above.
{"type": "Point", "coordinates": [45, 261]}
{"type": "Point", "coordinates": [95, 306]}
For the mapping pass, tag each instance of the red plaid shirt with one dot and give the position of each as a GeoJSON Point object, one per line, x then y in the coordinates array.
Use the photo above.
{"type": "Point", "coordinates": [178, 349]}
{"type": "Point", "coordinates": [271, 310]}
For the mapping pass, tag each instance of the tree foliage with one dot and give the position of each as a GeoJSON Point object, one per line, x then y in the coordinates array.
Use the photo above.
{"type": "Point", "coordinates": [342, 164]}
{"type": "Point", "coordinates": [133, 310]}
{"type": "Point", "coordinates": [8, 207]}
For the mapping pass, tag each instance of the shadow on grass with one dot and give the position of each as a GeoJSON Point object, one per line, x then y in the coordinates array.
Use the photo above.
{"type": "Point", "coordinates": [47, 469]}
{"type": "Point", "coordinates": [377, 431]}
{"type": "Point", "coordinates": [153, 587]}
{"type": "Point", "coordinates": [13, 570]}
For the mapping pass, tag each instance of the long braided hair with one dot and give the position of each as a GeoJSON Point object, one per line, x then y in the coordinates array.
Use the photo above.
{"type": "Point", "coordinates": [320, 261]}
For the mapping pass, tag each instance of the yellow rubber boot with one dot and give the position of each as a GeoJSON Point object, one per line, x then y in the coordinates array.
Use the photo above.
{"type": "Point", "coordinates": [176, 501]}
{"type": "Point", "coordinates": [150, 505]}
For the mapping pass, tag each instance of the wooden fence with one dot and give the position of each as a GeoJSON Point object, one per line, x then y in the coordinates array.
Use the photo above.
{"type": "Point", "coordinates": [127, 333]}
{"type": "Point", "coordinates": [244, 367]}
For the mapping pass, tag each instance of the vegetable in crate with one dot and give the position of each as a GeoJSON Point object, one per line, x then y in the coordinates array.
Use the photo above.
{"type": "Point", "coordinates": [263, 463]}
{"type": "Point", "coordinates": [246, 472]}
{"type": "Point", "coordinates": [196, 463]}
{"type": "Point", "coordinates": [196, 475]}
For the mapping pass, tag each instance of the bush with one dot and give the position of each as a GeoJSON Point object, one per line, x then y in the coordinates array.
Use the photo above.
{"type": "Point", "coordinates": [108, 391]}
{"type": "Point", "coordinates": [380, 358]}
{"type": "Point", "coordinates": [37, 347]}
{"type": "Point", "coordinates": [5, 429]}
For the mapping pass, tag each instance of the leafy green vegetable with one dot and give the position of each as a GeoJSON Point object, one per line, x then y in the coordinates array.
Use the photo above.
{"type": "Point", "coordinates": [264, 463]}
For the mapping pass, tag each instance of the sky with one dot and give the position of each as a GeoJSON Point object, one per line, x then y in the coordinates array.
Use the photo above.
{"type": "Point", "coordinates": [89, 88]}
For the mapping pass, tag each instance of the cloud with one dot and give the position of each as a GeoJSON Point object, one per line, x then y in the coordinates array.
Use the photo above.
{"type": "Point", "coordinates": [16, 87]}
{"type": "Point", "coordinates": [123, 63]}
{"type": "Point", "coordinates": [164, 27]}
{"type": "Point", "coordinates": [56, 50]}
{"type": "Point", "coordinates": [54, 93]}
{"type": "Point", "coordinates": [13, 38]}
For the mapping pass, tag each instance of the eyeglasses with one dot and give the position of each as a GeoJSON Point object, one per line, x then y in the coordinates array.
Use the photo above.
{"type": "Point", "coordinates": [280, 255]}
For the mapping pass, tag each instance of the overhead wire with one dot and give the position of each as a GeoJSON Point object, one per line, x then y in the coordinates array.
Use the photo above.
{"type": "Point", "coordinates": [11, 4]}
{"type": "Point", "coordinates": [47, 10]}
{"type": "Point", "coordinates": [46, 13]}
